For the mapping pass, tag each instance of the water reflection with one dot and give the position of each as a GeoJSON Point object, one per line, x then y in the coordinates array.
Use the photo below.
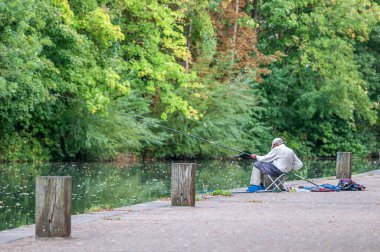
{"type": "Point", "coordinates": [101, 186]}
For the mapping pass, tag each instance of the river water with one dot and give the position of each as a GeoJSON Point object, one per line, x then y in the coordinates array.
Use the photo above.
{"type": "Point", "coordinates": [99, 186]}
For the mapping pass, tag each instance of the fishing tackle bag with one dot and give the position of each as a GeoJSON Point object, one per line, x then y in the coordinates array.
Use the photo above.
{"type": "Point", "coordinates": [347, 184]}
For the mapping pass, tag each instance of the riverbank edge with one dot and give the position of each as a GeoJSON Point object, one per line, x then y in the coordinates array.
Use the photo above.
{"type": "Point", "coordinates": [11, 235]}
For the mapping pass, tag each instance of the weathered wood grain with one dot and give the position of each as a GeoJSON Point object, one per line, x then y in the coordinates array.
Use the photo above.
{"type": "Point", "coordinates": [53, 206]}
{"type": "Point", "coordinates": [343, 165]}
{"type": "Point", "coordinates": [183, 184]}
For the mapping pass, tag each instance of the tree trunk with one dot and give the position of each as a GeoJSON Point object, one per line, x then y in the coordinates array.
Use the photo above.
{"type": "Point", "coordinates": [234, 36]}
{"type": "Point", "coordinates": [188, 37]}
{"type": "Point", "coordinates": [256, 16]}
{"type": "Point", "coordinates": [255, 10]}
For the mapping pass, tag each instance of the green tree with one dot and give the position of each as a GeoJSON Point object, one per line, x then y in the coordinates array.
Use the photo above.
{"type": "Point", "coordinates": [326, 105]}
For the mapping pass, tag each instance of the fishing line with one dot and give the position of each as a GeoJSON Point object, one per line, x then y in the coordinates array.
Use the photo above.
{"type": "Point", "coordinates": [137, 118]}
{"type": "Point", "coordinates": [141, 119]}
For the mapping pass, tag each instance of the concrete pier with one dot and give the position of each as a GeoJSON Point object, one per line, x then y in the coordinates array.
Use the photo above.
{"type": "Point", "coordinates": [286, 221]}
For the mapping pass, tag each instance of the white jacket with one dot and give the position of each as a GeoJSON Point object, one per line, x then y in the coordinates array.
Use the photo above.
{"type": "Point", "coordinates": [283, 158]}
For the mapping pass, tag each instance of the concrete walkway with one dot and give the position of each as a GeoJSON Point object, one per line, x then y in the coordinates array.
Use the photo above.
{"type": "Point", "coordinates": [287, 221]}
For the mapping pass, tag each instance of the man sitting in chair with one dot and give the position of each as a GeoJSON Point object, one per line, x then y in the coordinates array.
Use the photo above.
{"type": "Point", "coordinates": [281, 159]}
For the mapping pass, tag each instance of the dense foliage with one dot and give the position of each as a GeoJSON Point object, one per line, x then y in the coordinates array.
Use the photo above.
{"type": "Point", "coordinates": [238, 72]}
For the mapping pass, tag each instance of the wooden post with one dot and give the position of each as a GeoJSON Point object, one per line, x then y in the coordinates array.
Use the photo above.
{"type": "Point", "coordinates": [53, 206]}
{"type": "Point", "coordinates": [183, 184]}
{"type": "Point", "coordinates": [343, 165]}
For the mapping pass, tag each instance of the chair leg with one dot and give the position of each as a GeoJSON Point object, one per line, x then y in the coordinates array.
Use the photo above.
{"type": "Point", "coordinates": [272, 185]}
{"type": "Point", "coordinates": [281, 183]}
{"type": "Point", "coordinates": [276, 183]}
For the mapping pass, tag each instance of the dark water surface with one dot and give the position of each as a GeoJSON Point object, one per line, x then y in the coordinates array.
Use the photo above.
{"type": "Point", "coordinates": [99, 186]}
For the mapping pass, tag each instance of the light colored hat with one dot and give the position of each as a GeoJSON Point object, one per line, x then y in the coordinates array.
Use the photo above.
{"type": "Point", "coordinates": [277, 141]}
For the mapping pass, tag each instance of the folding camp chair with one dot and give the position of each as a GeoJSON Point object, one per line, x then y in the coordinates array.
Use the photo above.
{"type": "Point", "coordinates": [276, 183]}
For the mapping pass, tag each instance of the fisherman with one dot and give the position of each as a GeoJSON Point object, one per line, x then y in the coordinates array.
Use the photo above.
{"type": "Point", "coordinates": [281, 159]}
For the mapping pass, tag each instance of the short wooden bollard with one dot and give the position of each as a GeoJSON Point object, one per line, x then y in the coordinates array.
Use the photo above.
{"type": "Point", "coordinates": [183, 184]}
{"type": "Point", "coordinates": [53, 206]}
{"type": "Point", "coordinates": [343, 165]}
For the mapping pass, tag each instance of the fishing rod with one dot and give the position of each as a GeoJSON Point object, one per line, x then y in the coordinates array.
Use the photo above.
{"type": "Point", "coordinates": [306, 180]}
{"type": "Point", "coordinates": [141, 119]}
{"type": "Point", "coordinates": [138, 118]}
